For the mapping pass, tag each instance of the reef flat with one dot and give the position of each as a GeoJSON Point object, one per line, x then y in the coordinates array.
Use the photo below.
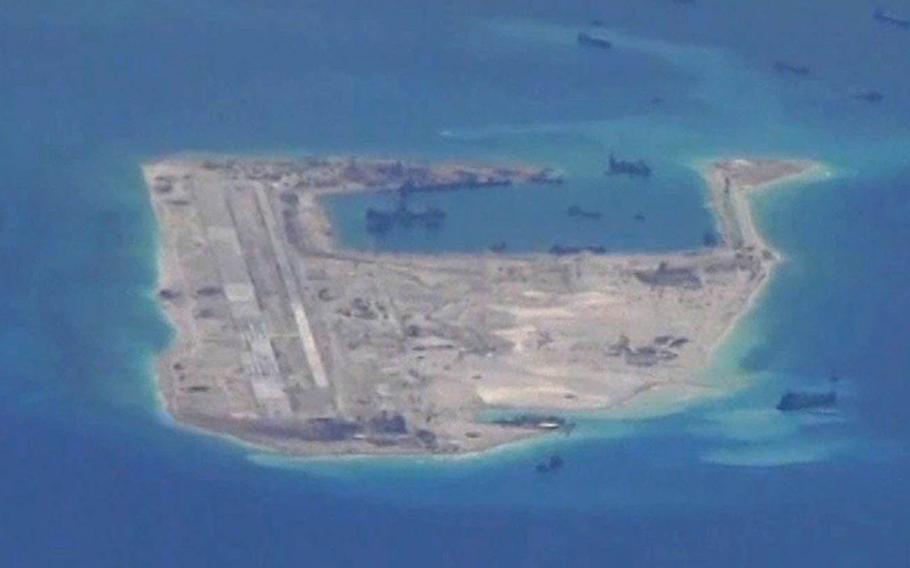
{"type": "Point", "coordinates": [290, 342]}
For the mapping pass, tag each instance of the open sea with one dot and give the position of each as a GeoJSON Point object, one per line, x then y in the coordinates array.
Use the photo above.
{"type": "Point", "coordinates": [93, 474]}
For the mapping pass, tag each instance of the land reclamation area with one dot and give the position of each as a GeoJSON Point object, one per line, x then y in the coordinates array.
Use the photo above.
{"type": "Point", "coordinates": [288, 341]}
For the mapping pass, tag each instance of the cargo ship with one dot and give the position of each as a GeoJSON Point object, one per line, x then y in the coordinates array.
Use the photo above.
{"type": "Point", "coordinates": [381, 221]}
{"type": "Point", "coordinates": [637, 168]}
{"type": "Point", "coordinates": [802, 400]}
{"type": "Point", "coordinates": [590, 40]}
{"type": "Point", "coordinates": [784, 67]}
{"type": "Point", "coordinates": [810, 400]}
{"type": "Point", "coordinates": [891, 19]}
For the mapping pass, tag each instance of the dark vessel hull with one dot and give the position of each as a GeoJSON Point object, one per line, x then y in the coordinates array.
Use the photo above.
{"type": "Point", "coordinates": [784, 67]}
{"type": "Point", "coordinates": [870, 96]}
{"type": "Point", "coordinates": [577, 212]}
{"type": "Point", "coordinates": [379, 221]}
{"type": "Point", "coordinates": [589, 40]}
{"type": "Point", "coordinates": [637, 168]}
{"type": "Point", "coordinates": [796, 400]}
{"type": "Point", "coordinates": [891, 19]}
{"type": "Point", "coordinates": [551, 465]}
{"type": "Point", "coordinates": [564, 250]}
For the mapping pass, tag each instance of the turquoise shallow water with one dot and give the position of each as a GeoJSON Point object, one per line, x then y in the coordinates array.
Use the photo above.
{"type": "Point", "coordinates": [94, 476]}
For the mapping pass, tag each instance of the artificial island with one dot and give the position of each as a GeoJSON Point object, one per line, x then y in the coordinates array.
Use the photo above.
{"type": "Point", "coordinates": [290, 342]}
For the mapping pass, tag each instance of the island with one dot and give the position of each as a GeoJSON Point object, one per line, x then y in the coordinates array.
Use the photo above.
{"type": "Point", "coordinates": [290, 342]}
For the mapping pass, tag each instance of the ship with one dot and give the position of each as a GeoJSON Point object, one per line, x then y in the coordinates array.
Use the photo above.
{"type": "Point", "coordinates": [807, 400]}
{"type": "Point", "coordinates": [810, 400]}
{"type": "Point", "coordinates": [530, 420]}
{"type": "Point", "coordinates": [637, 168]}
{"type": "Point", "coordinates": [589, 40]}
{"type": "Point", "coordinates": [784, 67]}
{"type": "Point", "coordinates": [550, 465]}
{"type": "Point", "coordinates": [380, 221]}
{"type": "Point", "coordinates": [869, 96]}
{"type": "Point", "coordinates": [577, 212]}
{"type": "Point", "coordinates": [566, 250]}
{"type": "Point", "coordinates": [891, 19]}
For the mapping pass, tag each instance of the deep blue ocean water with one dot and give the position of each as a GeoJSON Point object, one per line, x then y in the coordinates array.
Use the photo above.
{"type": "Point", "coordinates": [93, 475]}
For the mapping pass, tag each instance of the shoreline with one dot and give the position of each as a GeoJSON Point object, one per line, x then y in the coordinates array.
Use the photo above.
{"type": "Point", "coordinates": [815, 171]}
{"type": "Point", "coordinates": [799, 172]}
